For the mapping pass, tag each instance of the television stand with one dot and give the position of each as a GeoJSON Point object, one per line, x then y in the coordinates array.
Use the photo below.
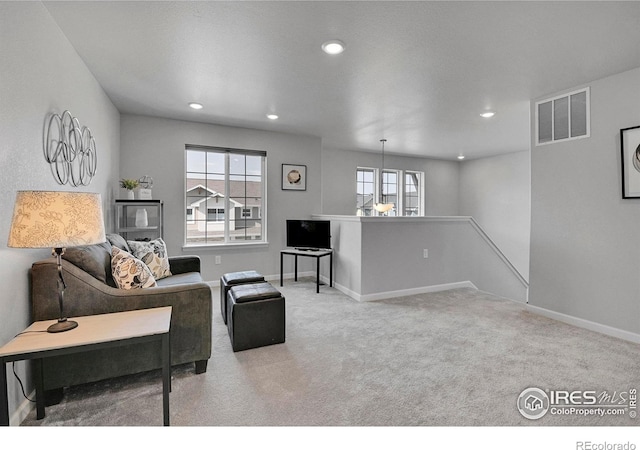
{"type": "Point", "coordinates": [313, 253]}
{"type": "Point", "coordinates": [307, 249]}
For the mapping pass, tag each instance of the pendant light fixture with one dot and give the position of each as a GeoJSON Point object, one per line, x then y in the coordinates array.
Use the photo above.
{"type": "Point", "coordinates": [382, 207]}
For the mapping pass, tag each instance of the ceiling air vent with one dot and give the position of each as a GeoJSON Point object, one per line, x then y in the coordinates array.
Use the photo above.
{"type": "Point", "coordinates": [563, 117]}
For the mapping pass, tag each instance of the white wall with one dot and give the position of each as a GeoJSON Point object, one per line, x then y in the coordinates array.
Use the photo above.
{"type": "Point", "coordinates": [339, 180]}
{"type": "Point", "coordinates": [495, 191]}
{"type": "Point", "coordinates": [585, 251]}
{"type": "Point", "coordinates": [381, 257]}
{"type": "Point", "coordinates": [40, 73]}
{"type": "Point", "coordinates": [155, 147]}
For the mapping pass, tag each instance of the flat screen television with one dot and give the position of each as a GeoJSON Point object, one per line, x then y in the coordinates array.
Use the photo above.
{"type": "Point", "coordinates": [309, 234]}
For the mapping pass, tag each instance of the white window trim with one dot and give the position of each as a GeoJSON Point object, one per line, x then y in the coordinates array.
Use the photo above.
{"type": "Point", "coordinates": [421, 191]}
{"type": "Point", "coordinates": [552, 99]}
{"type": "Point", "coordinates": [227, 243]}
{"type": "Point", "coordinates": [400, 189]}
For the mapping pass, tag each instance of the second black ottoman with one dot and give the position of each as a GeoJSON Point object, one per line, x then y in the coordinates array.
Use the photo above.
{"type": "Point", "coordinates": [255, 316]}
{"type": "Point", "coordinates": [233, 279]}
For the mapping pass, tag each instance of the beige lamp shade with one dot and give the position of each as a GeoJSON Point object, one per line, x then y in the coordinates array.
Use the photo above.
{"type": "Point", "coordinates": [56, 219]}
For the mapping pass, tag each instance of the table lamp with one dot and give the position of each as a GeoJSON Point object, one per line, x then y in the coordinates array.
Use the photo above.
{"type": "Point", "coordinates": [58, 220]}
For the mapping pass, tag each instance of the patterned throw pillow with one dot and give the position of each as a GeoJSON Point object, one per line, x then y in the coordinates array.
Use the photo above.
{"type": "Point", "coordinates": [129, 272]}
{"type": "Point", "coordinates": [154, 255]}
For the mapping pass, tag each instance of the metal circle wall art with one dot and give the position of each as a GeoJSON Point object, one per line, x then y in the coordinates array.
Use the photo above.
{"type": "Point", "coordinates": [70, 150]}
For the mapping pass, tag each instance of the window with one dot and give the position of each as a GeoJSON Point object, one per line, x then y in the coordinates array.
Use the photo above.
{"type": "Point", "coordinates": [390, 190]}
{"type": "Point", "coordinates": [412, 193]}
{"type": "Point", "coordinates": [365, 189]}
{"type": "Point", "coordinates": [215, 214]}
{"type": "Point", "coordinates": [224, 194]}
{"type": "Point", "coordinates": [564, 117]}
{"type": "Point", "coordinates": [402, 188]}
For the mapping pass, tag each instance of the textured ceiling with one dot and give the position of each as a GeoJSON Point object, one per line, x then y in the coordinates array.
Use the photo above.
{"type": "Point", "coordinates": [416, 73]}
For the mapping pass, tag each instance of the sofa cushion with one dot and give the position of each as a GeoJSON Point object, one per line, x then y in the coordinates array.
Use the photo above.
{"type": "Point", "coordinates": [181, 278]}
{"type": "Point", "coordinates": [154, 255]}
{"type": "Point", "coordinates": [118, 241]}
{"type": "Point", "coordinates": [93, 259]}
{"type": "Point", "coordinates": [129, 272]}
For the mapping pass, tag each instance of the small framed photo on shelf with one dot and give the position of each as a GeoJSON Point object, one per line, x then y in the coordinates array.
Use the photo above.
{"type": "Point", "coordinates": [630, 149]}
{"type": "Point", "coordinates": [294, 177]}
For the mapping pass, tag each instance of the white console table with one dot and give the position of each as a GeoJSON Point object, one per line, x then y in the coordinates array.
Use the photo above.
{"type": "Point", "coordinates": [93, 332]}
{"type": "Point", "coordinates": [317, 254]}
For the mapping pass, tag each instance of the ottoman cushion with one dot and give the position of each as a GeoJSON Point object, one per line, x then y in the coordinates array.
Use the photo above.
{"type": "Point", "coordinates": [233, 279]}
{"type": "Point", "coordinates": [251, 292]}
{"type": "Point", "coordinates": [247, 276]}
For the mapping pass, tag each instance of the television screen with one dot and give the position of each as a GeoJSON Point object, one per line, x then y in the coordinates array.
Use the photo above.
{"type": "Point", "coordinates": [309, 234]}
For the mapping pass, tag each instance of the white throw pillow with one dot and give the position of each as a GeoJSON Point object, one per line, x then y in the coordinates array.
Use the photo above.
{"type": "Point", "coordinates": [154, 255]}
{"type": "Point", "coordinates": [129, 272]}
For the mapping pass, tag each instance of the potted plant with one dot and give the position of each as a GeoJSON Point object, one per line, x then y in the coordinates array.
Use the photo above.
{"type": "Point", "coordinates": [129, 185]}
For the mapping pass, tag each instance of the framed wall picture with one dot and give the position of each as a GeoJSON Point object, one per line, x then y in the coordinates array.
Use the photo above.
{"type": "Point", "coordinates": [294, 177]}
{"type": "Point", "coordinates": [630, 150]}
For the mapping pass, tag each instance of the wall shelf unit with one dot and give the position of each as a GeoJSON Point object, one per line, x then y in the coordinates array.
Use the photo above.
{"type": "Point", "coordinates": [140, 220]}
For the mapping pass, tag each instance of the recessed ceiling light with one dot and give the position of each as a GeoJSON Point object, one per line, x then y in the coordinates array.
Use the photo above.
{"type": "Point", "coordinates": [488, 114]}
{"type": "Point", "coordinates": [333, 47]}
{"type": "Point", "coordinates": [195, 105]}
{"type": "Point", "coordinates": [461, 157]}
{"type": "Point", "coordinates": [272, 116]}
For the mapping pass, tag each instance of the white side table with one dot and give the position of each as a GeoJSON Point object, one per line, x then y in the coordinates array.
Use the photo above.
{"type": "Point", "coordinates": [317, 254]}
{"type": "Point", "coordinates": [92, 333]}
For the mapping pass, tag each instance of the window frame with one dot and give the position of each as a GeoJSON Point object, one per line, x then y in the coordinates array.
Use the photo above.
{"type": "Point", "coordinates": [397, 206]}
{"type": "Point", "coordinates": [420, 190]}
{"type": "Point", "coordinates": [376, 189]}
{"type": "Point", "coordinates": [227, 240]}
{"type": "Point", "coordinates": [401, 188]}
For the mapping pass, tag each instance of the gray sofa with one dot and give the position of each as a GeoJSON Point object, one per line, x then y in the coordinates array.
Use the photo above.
{"type": "Point", "coordinates": [91, 290]}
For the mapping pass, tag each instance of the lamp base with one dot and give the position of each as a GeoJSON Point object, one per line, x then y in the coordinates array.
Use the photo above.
{"type": "Point", "coordinates": [62, 325]}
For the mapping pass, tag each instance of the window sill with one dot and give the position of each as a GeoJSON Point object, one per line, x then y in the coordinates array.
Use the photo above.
{"type": "Point", "coordinates": [261, 244]}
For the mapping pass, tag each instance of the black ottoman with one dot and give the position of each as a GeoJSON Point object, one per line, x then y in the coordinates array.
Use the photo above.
{"type": "Point", "coordinates": [255, 316]}
{"type": "Point", "coordinates": [233, 279]}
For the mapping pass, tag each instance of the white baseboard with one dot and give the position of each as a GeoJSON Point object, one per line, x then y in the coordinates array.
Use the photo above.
{"type": "Point", "coordinates": [22, 411]}
{"type": "Point", "coordinates": [587, 324]}
{"type": "Point", "coordinates": [403, 292]}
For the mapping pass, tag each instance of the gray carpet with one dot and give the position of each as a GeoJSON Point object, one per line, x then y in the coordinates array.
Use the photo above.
{"type": "Point", "coordinates": [453, 358]}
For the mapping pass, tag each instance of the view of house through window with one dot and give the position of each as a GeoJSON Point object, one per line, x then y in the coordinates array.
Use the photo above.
{"type": "Point", "coordinates": [224, 194]}
{"type": "Point", "coordinates": [412, 197]}
{"type": "Point", "coordinates": [390, 190]}
{"type": "Point", "coordinates": [403, 188]}
{"type": "Point", "coordinates": [365, 188]}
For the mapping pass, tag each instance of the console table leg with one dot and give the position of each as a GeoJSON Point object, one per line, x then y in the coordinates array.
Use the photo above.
{"type": "Point", "coordinates": [331, 269]}
{"type": "Point", "coordinates": [4, 396]}
{"type": "Point", "coordinates": [317, 275]}
{"type": "Point", "coordinates": [281, 264]}
{"type": "Point", "coordinates": [39, 381]}
{"type": "Point", "coordinates": [295, 276]}
{"type": "Point", "coordinates": [166, 377]}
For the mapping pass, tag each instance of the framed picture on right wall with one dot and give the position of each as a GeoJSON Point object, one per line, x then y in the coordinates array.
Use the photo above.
{"type": "Point", "coordinates": [630, 158]}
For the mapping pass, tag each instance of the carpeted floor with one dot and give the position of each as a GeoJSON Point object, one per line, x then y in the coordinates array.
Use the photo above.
{"type": "Point", "coordinates": [453, 358]}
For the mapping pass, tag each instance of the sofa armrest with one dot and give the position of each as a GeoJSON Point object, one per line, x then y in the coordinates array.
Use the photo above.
{"type": "Point", "coordinates": [184, 264]}
{"type": "Point", "coordinates": [85, 295]}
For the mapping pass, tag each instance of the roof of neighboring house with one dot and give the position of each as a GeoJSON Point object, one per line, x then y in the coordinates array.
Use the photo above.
{"type": "Point", "coordinates": [238, 189]}
{"type": "Point", "coordinates": [362, 201]}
